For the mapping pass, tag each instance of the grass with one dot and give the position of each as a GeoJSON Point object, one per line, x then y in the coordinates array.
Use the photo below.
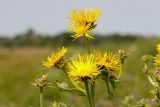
{"type": "Point", "coordinates": [20, 66]}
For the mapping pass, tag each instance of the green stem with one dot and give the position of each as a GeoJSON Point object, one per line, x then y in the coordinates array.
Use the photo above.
{"type": "Point", "coordinates": [113, 100]}
{"type": "Point", "coordinates": [79, 88]}
{"type": "Point", "coordinates": [87, 45]}
{"type": "Point", "coordinates": [111, 95]}
{"type": "Point", "coordinates": [92, 94]}
{"type": "Point", "coordinates": [92, 87]}
{"type": "Point", "coordinates": [88, 93]}
{"type": "Point", "coordinates": [108, 87]}
{"type": "Point", "coordinates": [41, 97]}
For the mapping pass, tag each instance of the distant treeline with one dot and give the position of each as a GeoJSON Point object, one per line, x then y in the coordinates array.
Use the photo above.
{"type": "Point", "coordinates": [32, 39]}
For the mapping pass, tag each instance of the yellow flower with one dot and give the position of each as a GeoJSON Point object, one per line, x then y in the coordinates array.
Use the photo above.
{"type": "Point", "coordinates": [83, 68]}
{"type": "Point", "coordinates": [157, 58]}
{"type": "Point", "coordinates": [158, 48]}
{"type": "Point", "coordinates": [56, 59]}
{"type": "Point", "coordinates": [110, 62]}
{"type": "Point", "coordinates": [157, 61]}
{"type": "Point", "coordinates": [82, 22]}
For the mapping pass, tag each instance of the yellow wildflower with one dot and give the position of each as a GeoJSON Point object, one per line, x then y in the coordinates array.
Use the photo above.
{"type": "Point", "coordinates": [157, 58]}
{"type": "Point", "coordinates": [83, 68]}
{"type": "Point", "coordinates": [56, 59]}
{"type": "Point", "coordinates": [82, 22]}
{"type": "Point", "coordinates": [157, 61]}
{"type": "Point", "coordinates": [158, 48]}
{"type": "Point", "coordinates": [110, 62]}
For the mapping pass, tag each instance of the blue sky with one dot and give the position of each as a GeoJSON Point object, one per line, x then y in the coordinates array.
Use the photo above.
{"type": "Point", "coordinates": [51, 16]}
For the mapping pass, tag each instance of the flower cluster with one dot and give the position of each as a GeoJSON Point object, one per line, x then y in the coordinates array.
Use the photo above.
{"type": "Point", "coordinates": [87, 68]}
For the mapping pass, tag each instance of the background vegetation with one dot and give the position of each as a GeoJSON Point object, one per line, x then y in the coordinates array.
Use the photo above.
{"type": "Point", "coordinates": [20, 64]}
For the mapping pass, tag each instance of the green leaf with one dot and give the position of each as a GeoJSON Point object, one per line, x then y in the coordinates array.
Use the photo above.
{"type": "Point", "coordinates": [64, 87]}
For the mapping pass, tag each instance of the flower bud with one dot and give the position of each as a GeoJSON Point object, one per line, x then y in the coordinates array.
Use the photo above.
{"type": "Point", "coordinates": [146, 58]}
{"type": "Point", "coordinates": [41, 81]}
{"type": "Point", "coordinates": [122, 54]}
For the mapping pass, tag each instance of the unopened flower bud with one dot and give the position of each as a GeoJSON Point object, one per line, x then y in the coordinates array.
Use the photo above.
{"type": "Point", "coordinates": [41, 81]}
{"type": "Point", "coordinates": [122, 54]}
{"type": "Point", "coordinates": [146, 58]}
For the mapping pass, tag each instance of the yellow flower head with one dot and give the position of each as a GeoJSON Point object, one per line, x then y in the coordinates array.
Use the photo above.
{"type": "Point", "coordinates": [110, 62]}
{"type": "Point", "coordinates": [157, 58]}
{"type": "Point", "coordinates": [158, 48]}
{"type": "Point", "coordinates": [157, 61]}
{"type": "Point", "coordinates": [56, 59]}
{"type": "Point", "coordinates": [82, 22]}
{"type": "Point", "coordinates": [83, 68]}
